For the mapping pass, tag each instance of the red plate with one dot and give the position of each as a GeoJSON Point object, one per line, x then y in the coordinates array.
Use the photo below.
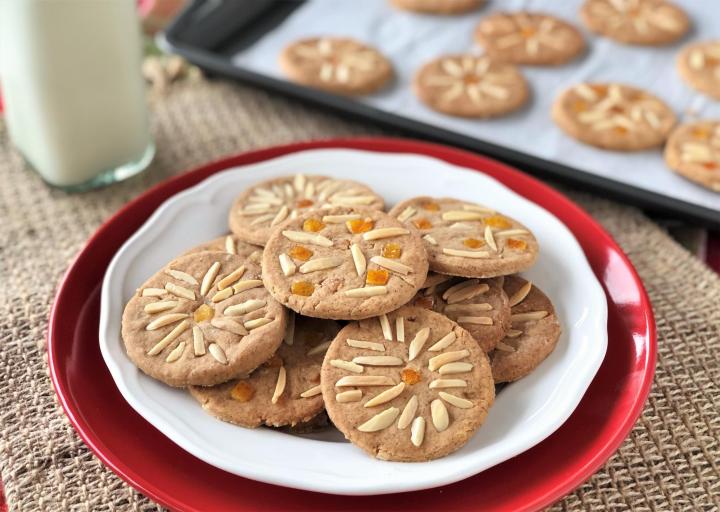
{"type": "Point", "coordinates": [151, 463]}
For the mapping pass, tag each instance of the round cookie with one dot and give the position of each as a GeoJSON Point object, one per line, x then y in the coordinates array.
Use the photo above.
{"type": "Point", "coordinates": [478, 305]}
{"type": "Point", "coordinates": [613, 116]}
{"type": "Point", "coordinates": [529, 38]}
{"type": "Point", "coordinates": [699, 65]}
{"type": "Point", "coordinates": [343, 263]}
{"type": "Point", "coordinates": [447, 7]}
{"type": "Point", "coordinates": [693, 151]}
{"type": "Point", "coordinates": [533, 336]}
{"type": "Point", "coordinates": [336, 64]}
{"type": "Point", "coordinates": [285, 390]}
{"type": "Point", "coordinates": [467, 239]}
{"type": "Point", "coordinates": [642, 22]}
{"type": "Point", "coordinates": [262, 207]}
{"type": "Point", "coordinates": [409, 386]}
{"type": "Point", "coordinates": [201, 320]}
{"type": "Point", "coordinates": [471, 86]}
{"type": "Point", "coordinates": [230, 244]}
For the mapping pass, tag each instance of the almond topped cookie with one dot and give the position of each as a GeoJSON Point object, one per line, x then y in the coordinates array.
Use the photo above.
{"type": "Point", "coordinates": [203, 319]}
{"type": "Point", "coordinates": [262, 207]}
{"type": "Point", "coordinates": [467, 239]}
{"type": "Point", "coordinates": [699, 65]}
{"type": "Point", "coordinates": [470, 86]}
{"type": "Point", "coordinates": [343, 263]}
{"type": "Point", "coordinates": [409, 386]}
{"type": "Point", "coordinates": [285, 390]}
{"type": "Point", "coordinates": [644, 22]}
{"type": "Point", "coordinates": [336, 64]}
{"type": "Point", "coordinates": [529, 38]}
{"type": "Point", "coordinates": [613, 116]}
{"type": "Point", "coordinates": [533, 334]}
{"type": "Point", "coordinates": [693, 151]}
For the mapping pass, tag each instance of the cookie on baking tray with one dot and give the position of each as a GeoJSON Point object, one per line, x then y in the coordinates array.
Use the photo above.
{"type": "Point", "coordinates": [693, 151]}
{"type": "Point", "coordinates": [613, 116]}
{"type": "Point", "coordinates": [201, 320]}
{"type": "Point", "coordinates": [533, 335]}
{"type": "Point", "coordinates": [263, 206]}
{"type": "Point", "coordinates": [467, 239]}
{"type": "Point", "coordinates": [285, 390]}
{"type": "Point", "coordinates": [529, 38]}
{"type": "Point", "coordinates": [230, 244]}
{"type": "Point", "coordinates": [699, 65]}
{"type": "Point", "coordinates": [471, 86]}
{"type": "Point", "coordinates": [409, 386]}
{"type": "Point", "coordinates": [343, 263]}
{"type": "Point", "coordinates": [438, 6]}
{"type": "Point", "coordinates": [336, 64]}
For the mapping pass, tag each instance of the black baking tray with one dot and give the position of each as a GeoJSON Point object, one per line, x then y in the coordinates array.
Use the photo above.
{"type": "Point", "coordinates": [209, 32]}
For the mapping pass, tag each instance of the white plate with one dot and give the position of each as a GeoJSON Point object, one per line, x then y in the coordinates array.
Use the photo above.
{"type": "Point", "coordinates": [525, 412]}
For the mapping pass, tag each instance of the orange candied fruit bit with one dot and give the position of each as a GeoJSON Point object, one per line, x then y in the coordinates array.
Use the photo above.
{"type": "Point", "coordinates": [302, 288]}
{"type": "Point", "coordinates": [621, 130]}
{"type": "Point", "coordinates": [377, 277]}
{"type": "Point", "coordinates": [202, 313]}
{"type": "Point", "coordinates": [304, 203]}
{"type": "Point", "coordinates": [242, 392]}
{"type": "Point", "coordinates": [498, 221]}
{"type": "Point", "coordinates": [473, 243]}
{"type": "Point", "coordinates": [710, 166]}
{"type": "Point", "coordinates": [301, 253]}
{"type": "Point", "coordinates": [701, 132]}
{"type": "Point", "coordinates": [359, 226]}
{"type": "Point", "coordinates": [410, 376]}
{"type": "Point", "coordinates": [528, 32]}
{"type": "Point", "coordinates": [422, 223]}
{"type": "Point", "coordinates": [514, 243]}
{"type": "Point", "coordinates": [579, 106]}
{"type": "Point", "coordinates": [392, 251]}
{"type": "Point", "coordinates": [430, 206]}
{"type": "Point", "coordinates": [313, 225]}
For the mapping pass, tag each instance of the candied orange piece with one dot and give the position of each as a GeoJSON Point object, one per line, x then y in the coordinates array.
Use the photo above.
{"type": "Point", "coordinates": [313, 225]}
{"type": "Point", "coordinates": [620, 130]}
{"type": "Point", "coordinates": [377, 277]}
{"type": "Point", "coordinates": [710, 166]}
{"type": "Point", "coordinates": [599, 88]}
{"type": "Point", "coordinates": [304, 203]}
{"type": "Point", "coordinates": [514, 243]}
{"type": "Point", "coordinates": [528, 32]}
{"type": "Point", "coordinates": [359, 226]}
{"type": "Point", "coordinates": [410, 376]}
{"type": "Point", "coordinates": [392, 251]}
{"type": "Point", "coordinates": [701, 132]}
{"type": "Point", "coordinates": [242, 392]}
{"type": "Point", "coordinates": [498, 221]}
{"type": "Point", "coordinates": [301, 253]}
{"type": "Point", "coordinates": [202, 313]}
{"type": "Point", "coordinates": [302, 288]}
{"type": "Point", "coordinates": [422, 223]}
{"type": "Point", "coordinates": [430, 206]}
{"type": "Point", "coordinates": [274, 362]}
{"type": "Point", "coordinates": [473, 243]}
{"type": "Point", "coordinates": [579, 106]}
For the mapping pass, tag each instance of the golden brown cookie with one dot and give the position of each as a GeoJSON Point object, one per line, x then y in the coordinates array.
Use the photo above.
{"type": "Point", "coordinates": [447, 7]}
{"type": "Point", "coordinates": [471, 86]}
{"type": "Point", "coordinates": [203, 319]}
{"type": "Point", "coordinates": [529, 38]}
{"type": "Point", "coordinates": [230, 244]}
{"type": "Point", "coordinates": [613, 116]}
{"type": "Point", "coordinates": [699, 65]}
{"type": "Point", "coordinates": [534, 333]}
{"type": "Point", "coordinates": [467, 239]}
{"type": "Point", "coordinates": [409, 386]}
{"type": "Point", "coordinates": [285, 390]}
{"type": "Point", "coordinates": [263, 206]}
{"type": "Point", "coordinates": [336, 64]}
{"type": "Point", "coordinates": [643, 22]}
{"type": "Point", "coordinates": [343, 263]}
{"type": "Point", "coordinates": [693, 151]}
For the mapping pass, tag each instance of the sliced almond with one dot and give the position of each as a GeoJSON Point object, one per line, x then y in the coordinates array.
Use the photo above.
{"type": "Point", "coordinates": [378, 360]}
{"type": "Point", "coordinates": [468, 293]}
{"type": "Point", "coordinates": [443, 342]}
{"type": "Point", "coordinates": [456, 367]}
{"type": "Point", "coordinates": [230, 247]}
{"type": "Point", "coordinates": [231, 278]}
{"type": "Point", "coordinates": [520, 295]}
{"type": "Point", "coordinates": [358, 259]}
{"type": "Point", "coordinates": [279, 385]}
{"type": "Point", "coordinates": [447, 357]}
{"type": "Point", "coordinates": [153, 292]}
{"type": "Point", "coordinates": [475, 320]}
{"type": "Point", "coordinates": [418, 342]}
{"type": "Point", "coordinates": [380, 421]}
{"type": "Point", "coordinates": [247, 284]}
{"type": "Point", "coordinates": [160, 306]}
{"type": "Point", "coordinates": [354, 395]}
{"type": "Point", "coordinates": [378, 234]}
{"type": "Point", "coordinates": [370, 345]}
{"type": "Point", "coordinates": [455, 215]}
{"type": "Point", "coordinates": [340, 219]}
{"type": "Point", "coordinates": [181, 276]}
{"type": "Point", "coordinates": [386, 396]}
{"type": "Point", "coordinates": [222, 295]}
{"type": "Point", "coordinates": [175, 354]}
{"type": "Point", "coordinates": [429, 239]}
{"type": "Point", "coordinates": [198, 341]}
{"type": "Point", "coordinates": [262, 218]}
{"type": "Point", "coordinates": [245, 307]}
{"type": "Point", "coordinates": [461, 403]}
{"type": "Point", "coordinates": [466, 254]}
{"type": "Point", "coordinates": [352, 200]}
{"type": "Point", "coordinates": [319, 349]}
{"type": "Point", "coordinates": [459, 287]}
{"type": "Point", "coordinates": [314, 391]}
{"type": "Point", "coordinates": [447, 383]}
{"type": "Point", "coordinates": [321, 264]}
{"type": "Point", "coordinates": [385, 326]}
{"type": "Point", "coordinates": [229, 325]}
{"type": "Point", "coordinates": [406, 214]}
{"type": "Point", "coordinates": [504, 347]}
{"type": "Point", "coordinates": [290, 329]}
{"type": "Point", "coordinates": [513, 333]}
{"type": "Point", "coordinates": [467, 308]}
{"type": "Point", "coordinates": [408, 412]}
{"type": "Point", "coordinates": [209, 278]}
{"type": "Point", "coordinates": [390, 264]}
{"type": "Point", "coordinates": [258, 322]}
{"type": "Point", "coordinates": [417, 431]}
{"type": "Point", "coordinates": [169, 338]}
{"type": "Point", "coordinates": [180, 291]}
{"type": "Point", "coordinates": [218, 353]}
{"type": "Point", "coordinates": [368, 291]}
{"type": "Point", "coordinates": [529, 316]}
{"type": "Point", "coordinates": [490, 239]}
{"type": "Point", "coordinates": [400, 328]}
{"type": "Point", "coordinates": [347, 366]}
{"type": "Point", "coordinates": [512, 232]}
{"type": "Point", "coordinates": [477, 208]}
{"type": "Point", "coordinates": [307, 238]}
{"type": "Point", "coordinates": [364, 380]}
{"type": "Point", "coordinates": [164, 320]}
{"type": "Point", "coordinates": [287, 265]}
{"type": "Point", "coordinates": [440, 417]}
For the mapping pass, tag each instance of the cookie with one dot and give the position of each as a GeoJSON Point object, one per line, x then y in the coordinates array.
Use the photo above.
{"type": "Point", "coordinates": [471, 86]}
{"type": "Point", "coordinates": [529, 38]}
{"type": "Point", "coordinates": [434, 279]}
{"type": "Point", "coordinates": [693, 151]}
{"type": "Point", "coordinates": [642, 22]}
{"type": "Point", "coordinates": [336, 64]}
{"type": "Point", "coordinates": [343, 263]}
{"type": "Point", "coordinates": [231, 245]}
{"type": "Point", "coordinates": [478, 305]}
{"type": "Point", "coordinates": [467, 239]}
{"type": "Point", "coordinates": [533, 335]}
{"type": "Point", "coordinates": [699, 65]}
{"type": "Point", "coordinates": [438, 6]}
{"type": "Point", "coordinates": [285, 390]}
{"type": "Point", "coordinates": [262, 207]}
{"type": "Point", "coordinates": [613, 116]}
{"type": "Point", "coordinates": [201, 320]}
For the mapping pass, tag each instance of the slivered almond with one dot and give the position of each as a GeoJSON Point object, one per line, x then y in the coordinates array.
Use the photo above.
{"type": "Point", "coordinates": [309, 190]}
{"type": "Point", "coordinates": [258, 322]}
{"type": "Point", "coordinates": [275, 201]}
{"type": "Point", "coordinates": [230, 245]}
{"type": "Point", "coordinates": [513, 333]}
{"type": "Point", "coordinates": [280, 216]}
{"type": "Point", "coordinates": [368, 291]}
{"type": "Point", "coordinates": [289, 192]}
{"type": "Point", "coordinates": [358, 259]}
{"type": "Point", "coordinates": [290, 329]}
{"type": "Point", "coordinates": [248, 284]}
{"type": "Point", "coordinates": [299, 182]}
{"type": "Point", "coordinates": [378, 234]}
{"type": "Point", "coordinates": [457, 401]}
{"type": "Point", "coordinates": [314, 391]}
{"type": "Point", "coordinates": [245, 307]}
{"type": "Point", "coordinates": [340, 219]}
{"type": "Point", "coordinates": [467, 308]}
{"type": "Point", "coordinates": [385, 326]}
{"type": "Point", "coordinates": [222, 295]}
{"type": "Point", "coordinates": [512, 232]}
{"type": "Point", "coordinates": [477, 208]}
{"type": "Point", "coordinates": [447, 383]}
{"type": "Point", "coordinates": [175, 354]}
{"type": "Point", "coordinates": [429, 239]}
{"type": "Point", "coordinates": [209, 278]}
{"type": "Point", "coordinates": [380, 421]}
{"type": "Point", "coordinates": [287, 265]}
{"type": "Point", "coordinates": [520, 295]}
{"type": "Point", "coordinates": [417, 431]}
{"type": "Point", "coordinates": [164, 320]}
{"type": "Point", "coordinates": [217, 353]}
{"type": "Point", "coordinates": [407, 413]}
{"type": "Point", "coordinates": [400, 328]}
{"type": "Point", "coordinates": [346, 365]}
{"type": "Point", "coordinates": [418, 342]}
{"type": "Point", "coordinates": [377, 360]}
{"type": "Point", "coordinates": [181, 276]}
{"type": "Point", "coordinates": [307, 238]}
{"type": "Point", "coordinates": [279, 385]}
{"type": "Point", "coordinates": [406, 214]}
{"type": "Point", "coordinates": [468, 293]}
{"type": "Point", "coordinates": [180, 291]}
{"type": "Point", "coordinates": [231, 278]}
{"type": "Point", "coordinates": [393, 265]}
{"type": "Point", "coordinates": [352, 200]}
{"type": "Point", "coordinates": [364, 380]}
{"type": "Point", "coordinates": [439, 414]}
{"type": "Point", "coordinates": [466, 254]}
{"type": "Point", "coordinates": [458, 287]}
{"type": "Point", "coordinates": [262, 218]}
{"type": "Point", "coordinates": [475, 320]}
{"type": "Point", "coordinates": [370, 345]}
{"type": "Point", "coordinates": [169, 338]}
{"type": "Point", "coordinates": [448, 357]}
{"type": "Point", "coordinates": [153, 292]}
{"type": "Point", "coordinates": [229, 325]}
{"type": "Point", "coordinates": [586, 92]}
{"type": "Point", "coordinates": [490, 239]}
{"type": "Point", "coordinates": [529, 316]}
{"type": "Point", "coordinates": [455, 215]}
{"type": "Point", "coordinates": [386, 396]}
{"type": "Point", "coordinates": [321, 264]}
{"type": "Point", "coordinates": [198, 341]}
{"type": "Point", "coordinates": [159, 307]}
{"type": "Point", "coordinates": [354, 395]}
{"type": "Point", "coordinates": [319, 349]}
{"type": "Point", "coordinates": [443, 342]}
{"type": "Point", "coordinates": [504, 347]}
{"type": "Point", "coordinates": [256, 208]}
{"type": "Point", "coordinates": [456, 367]}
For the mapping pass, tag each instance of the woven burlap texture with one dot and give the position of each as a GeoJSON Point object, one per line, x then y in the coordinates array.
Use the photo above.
{"type": "Point", "coordinates": [669, 461]}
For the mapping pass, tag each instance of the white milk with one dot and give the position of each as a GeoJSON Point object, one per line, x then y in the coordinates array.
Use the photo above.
{"type": "Point", "coordinates": [70, 72]}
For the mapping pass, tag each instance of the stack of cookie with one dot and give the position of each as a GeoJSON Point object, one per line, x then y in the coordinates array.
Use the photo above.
{"type": "Point", "coordinates": [398, 324]}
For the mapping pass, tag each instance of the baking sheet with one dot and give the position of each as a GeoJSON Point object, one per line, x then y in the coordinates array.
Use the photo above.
{"type": "Point", "coordinates": [410, 40]}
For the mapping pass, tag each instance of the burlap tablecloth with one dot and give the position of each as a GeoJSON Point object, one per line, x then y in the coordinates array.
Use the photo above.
{"type": "Point", "coordinates": [669, 461]}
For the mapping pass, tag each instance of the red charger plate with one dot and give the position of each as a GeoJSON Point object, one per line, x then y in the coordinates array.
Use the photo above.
{"type": "Point", "coordinates": [154, 465]}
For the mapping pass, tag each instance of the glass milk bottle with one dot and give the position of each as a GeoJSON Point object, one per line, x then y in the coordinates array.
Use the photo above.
{"type": "Point", "coordinates": [70, 76]}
